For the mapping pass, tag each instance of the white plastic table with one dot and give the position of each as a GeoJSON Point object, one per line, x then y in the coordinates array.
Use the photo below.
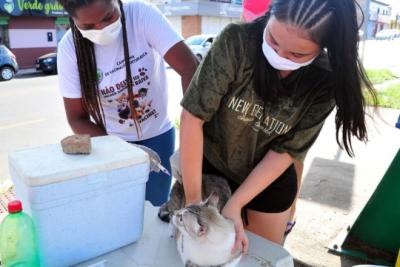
{"type": "Point", "coordinates": [156, 249]}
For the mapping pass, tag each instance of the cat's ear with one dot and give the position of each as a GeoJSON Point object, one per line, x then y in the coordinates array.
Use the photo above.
{"type": "Point", "coordinates": [202, 230]}
{"type": "Point", "coordinates": [212, 200]}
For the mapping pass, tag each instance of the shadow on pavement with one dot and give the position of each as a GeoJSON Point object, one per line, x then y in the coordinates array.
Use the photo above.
{"type": "Point", "coordinates": [350, 262]}
{"type": "Point", "coordinates": [329, 182]}
{"type": "Point", "coordinates": [344, 262]}
{"type": "Point", "coordinates": [31, 75]}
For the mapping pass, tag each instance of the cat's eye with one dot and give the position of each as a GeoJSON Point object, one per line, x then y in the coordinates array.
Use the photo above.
{"type": "Point", "coordinates": [179, 217]}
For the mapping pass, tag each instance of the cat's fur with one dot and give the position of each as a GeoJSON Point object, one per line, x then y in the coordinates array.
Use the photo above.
{"type": "Point", "coordinates": [210, 183]}
{"type": "Point", "coordinates": [204, 237]}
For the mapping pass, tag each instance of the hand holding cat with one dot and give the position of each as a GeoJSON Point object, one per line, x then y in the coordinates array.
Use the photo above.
{"type": "Point", "coordinates": [233, 212]}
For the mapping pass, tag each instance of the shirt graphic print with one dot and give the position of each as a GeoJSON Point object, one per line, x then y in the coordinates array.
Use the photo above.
{"type": "Point", "coordinates": [150, 36]}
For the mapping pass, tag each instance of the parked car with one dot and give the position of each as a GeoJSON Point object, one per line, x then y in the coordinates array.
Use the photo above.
{"type": "Point", "coordinates": [47, 63]}
{"type": "Point", "coordinates": [200, 44]}
{"type": "Point", "coordinates": [387, 34]}
{"type": "Point", "coordinates": [8, 64]}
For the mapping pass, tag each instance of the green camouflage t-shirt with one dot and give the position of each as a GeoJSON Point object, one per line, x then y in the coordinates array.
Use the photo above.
{"type": "Point", "coordinates": [240, 128]}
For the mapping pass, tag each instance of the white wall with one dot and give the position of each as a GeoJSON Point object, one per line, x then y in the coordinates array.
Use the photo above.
{"type": "Point", "coordinates": [213, 25]}
{"type": "Point", "coordinates": [31, 38]}
{"type": "Point", "coordinates": [176, 22]}
{"type": "Point", "coordinates": [373, 8]}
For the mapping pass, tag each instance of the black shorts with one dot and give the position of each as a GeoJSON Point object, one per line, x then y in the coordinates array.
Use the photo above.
{"type": "Point", "coordinates": [277, 197]}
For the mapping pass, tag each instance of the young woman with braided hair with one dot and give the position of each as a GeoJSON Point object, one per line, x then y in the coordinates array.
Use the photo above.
{"type": "Point", "coordinates": [259, 100]}
{"type": "Point", "coordinates": [104, 95]}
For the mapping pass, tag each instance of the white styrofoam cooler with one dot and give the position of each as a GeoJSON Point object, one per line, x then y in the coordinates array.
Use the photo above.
{"type": "Point", "coordinates": [82, 205]}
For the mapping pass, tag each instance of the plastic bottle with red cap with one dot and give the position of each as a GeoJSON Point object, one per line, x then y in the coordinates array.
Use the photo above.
{"type": "Point", "coordinates": [18, 243]}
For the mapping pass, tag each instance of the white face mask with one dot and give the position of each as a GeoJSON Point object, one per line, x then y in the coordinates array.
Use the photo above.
{"type": "Point", "coordinates": [104, 36]}
{"type": "Point", "coordinates": [278, 62]}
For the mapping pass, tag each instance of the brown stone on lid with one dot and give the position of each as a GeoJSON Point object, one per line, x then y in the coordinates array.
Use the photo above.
{"type": "Point", "coordinates": [76, 144]}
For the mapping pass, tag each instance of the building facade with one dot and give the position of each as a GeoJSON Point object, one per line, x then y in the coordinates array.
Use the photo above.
{"type": "Point", "coordinates": [377, 16]}
{"type": "Point", "coordinates": [192, 17]}
{"type": "Point", "coordinates": [31, 28]}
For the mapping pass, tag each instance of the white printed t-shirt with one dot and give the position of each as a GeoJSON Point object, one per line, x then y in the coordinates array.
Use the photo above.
{"type": "Point", "coordinates": [150, 36]}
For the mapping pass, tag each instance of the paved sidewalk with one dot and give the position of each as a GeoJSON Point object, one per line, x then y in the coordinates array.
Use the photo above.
{"type": "Point", "coordinates": [336, 188]}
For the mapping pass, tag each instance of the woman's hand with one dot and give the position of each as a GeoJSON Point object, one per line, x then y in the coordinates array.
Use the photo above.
{"type": "Point", "coordinates": [233, 212]}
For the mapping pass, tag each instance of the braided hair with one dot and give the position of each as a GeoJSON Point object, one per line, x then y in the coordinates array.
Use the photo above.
{"type": "Point", "coordinates": [87, 67]}
{"type": "Point", "coordinates": [332, 24]}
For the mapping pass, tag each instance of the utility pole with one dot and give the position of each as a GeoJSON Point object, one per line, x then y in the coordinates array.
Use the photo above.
{"type": "Point", "coordinates": [365, 27]}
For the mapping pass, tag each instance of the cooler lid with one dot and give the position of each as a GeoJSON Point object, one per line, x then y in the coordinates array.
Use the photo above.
{"type": "Point", "coordinates": [49, 164]}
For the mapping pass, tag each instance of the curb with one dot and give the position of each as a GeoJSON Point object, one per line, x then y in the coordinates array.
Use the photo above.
{"type": "Point", "coordinates": [384, 85]}
{"type": "Point", "coordinates": [26, 71]}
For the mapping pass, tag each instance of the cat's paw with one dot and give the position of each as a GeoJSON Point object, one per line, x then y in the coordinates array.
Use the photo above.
{"type": "Point", "coordinates": [191, 264]}
{"type": "Point", "coordinates": [163, 213]}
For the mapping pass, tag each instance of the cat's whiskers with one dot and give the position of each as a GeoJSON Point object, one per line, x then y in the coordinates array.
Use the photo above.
{"type": "Point", "coordinates": [203, 235]}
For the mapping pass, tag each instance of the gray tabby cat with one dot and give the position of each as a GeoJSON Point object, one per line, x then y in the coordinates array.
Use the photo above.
{"type": "Point", "coordinates": [210, 183]}
{"type": "Point", "coordinates": [204, 237]}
